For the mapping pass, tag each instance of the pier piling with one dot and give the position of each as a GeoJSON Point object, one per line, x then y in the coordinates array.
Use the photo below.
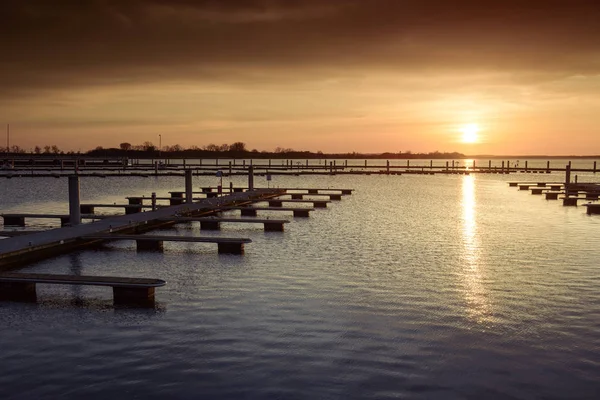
{"type": "Point", "coordinates": [74, 201]}
{"type": "Point", "coordinates": [188, 186]}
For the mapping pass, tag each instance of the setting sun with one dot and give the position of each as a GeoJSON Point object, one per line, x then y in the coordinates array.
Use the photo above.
{"type": "Point", "coordinates": [469, 133]}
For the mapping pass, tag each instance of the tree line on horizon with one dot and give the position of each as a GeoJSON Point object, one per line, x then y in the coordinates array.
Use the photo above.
{"type": "Point", "coordinates": [233, 150]}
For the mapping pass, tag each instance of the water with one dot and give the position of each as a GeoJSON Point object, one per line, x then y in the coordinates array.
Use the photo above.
{"type": "Point", "coordinates": [443, 287]}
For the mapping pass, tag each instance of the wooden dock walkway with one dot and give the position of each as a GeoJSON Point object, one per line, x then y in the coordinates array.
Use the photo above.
{"type": "Point", "coordinates": [252, 211]}
{"type": "Point", "coordinates": [19, 219]}
{"type": "Point", "coordinates": [214, 223]}
{"type": "Point", "coordinates": [126, 291]}
{"type": "Point", "coordinates": [18, 250]}
{"type": "Point", "coordinates": [155, 242]}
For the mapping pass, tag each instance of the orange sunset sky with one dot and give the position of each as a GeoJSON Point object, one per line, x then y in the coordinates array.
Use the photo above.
{"type": "Point", "coordinates": [477, 77]}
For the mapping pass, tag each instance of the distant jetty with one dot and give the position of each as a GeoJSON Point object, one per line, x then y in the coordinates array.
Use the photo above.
{"type": "Point", "coordinates": [43, 166]}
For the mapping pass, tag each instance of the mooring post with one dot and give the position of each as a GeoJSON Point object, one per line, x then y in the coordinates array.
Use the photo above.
{"type": "Point", "coordinates": [446, 166]}
{"type": "Point", "coordinates": [526, 166]}
{"type": "Point", "coordinates": [230, 168]}
{"type": "Point", "coordinates": [155, 167]}
{"type": "Point", "coordinates": [74, 201]}
{"type": "Point", "coordinates": [430, 164]}
{"type": "Point", "coordinates": [548, 166]}
{"type": "Point", "coordinates": [508, 166]}
{"type": "Point", "coordinates": [567, 175]}
{"type": "Point", "coordinates": [489, 165]}
{"type": "Point", "coordinates": [388, 167]}
{"type": "Point", "coordinates": [188, 186]}
{"type": "Point", "coordinates": [452, 164]}
{"type": "Point", "coordinates": [594, 166]}
{"type": "Point", "coordinates": [251, 177]}
{"type": "Point", "coordinates": [153, 201]}
{"type": "Point", "coordinates": [365, 163]}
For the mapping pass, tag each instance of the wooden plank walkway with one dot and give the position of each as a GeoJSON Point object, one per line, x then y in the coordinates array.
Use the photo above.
{"type": "Point", "coordinates": [126, 291]}
{"type": "Point", "coordinates": [17, 233]}
{"type": "Point", "coordinates": [252, 211]}
{"type": "Point", "coordinates": [155, 242]}
{"type": "Point", "coordinates": [18, 250]}
{"type": "Point", "coordinates": [19, 219]}
{"type": "Point", "coordinates": [214, 223]}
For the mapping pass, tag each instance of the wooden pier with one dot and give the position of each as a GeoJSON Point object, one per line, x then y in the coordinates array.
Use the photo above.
{"type": "Point", "coordinates": [19, 219]}
{"type": "Point", "coordinates": [252, 211]}
{"type": "Point", "coordinates": [16, 251]}
{"type": "Point", "coordinates": [25, 246]}
{"type": "Point", "coordinates": [155, 243]}
{"type": "Point", "coordinates": [126, 291]}
{"type": "Point", "coordinates": [214, 223]}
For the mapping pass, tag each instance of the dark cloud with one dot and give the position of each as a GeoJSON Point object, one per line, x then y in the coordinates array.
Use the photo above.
{"type": "Point", "coordinates": [48, 44]}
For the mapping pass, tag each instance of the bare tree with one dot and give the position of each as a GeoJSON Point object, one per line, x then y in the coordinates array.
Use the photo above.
{"type": "Point", "coordinates": [125, 146]}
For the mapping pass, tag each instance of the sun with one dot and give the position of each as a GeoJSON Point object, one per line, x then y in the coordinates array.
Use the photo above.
{"type": "Point", "coordinates": [469, 133]}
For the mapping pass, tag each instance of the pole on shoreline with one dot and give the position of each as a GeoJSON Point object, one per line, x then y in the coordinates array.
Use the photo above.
{"type": "Point", "coordinates": [548, 166]}
{"type": "Point", "coordinates": [568, 174]}
{"type": "Point", "coordinates": [594, 166]}
{"type": "Point", "coordinates": [74, 201]}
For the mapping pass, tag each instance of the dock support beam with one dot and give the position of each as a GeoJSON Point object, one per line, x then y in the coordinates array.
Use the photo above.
{"type": "Point", "coordinates": [18, 291]}
{"type": "Point", "coordinates": [297, 196]}
{"type": "Point", "coordinates": [14, 221]}
{"type": "Point", "coordinates": [301, 213]}
{"type": "Point", "coordinates": [248, 212]}
{"type": "Point", "coordinates": [149, 245]}
{"type": "Point", "coordinates": [74, 201]}
{"type": "Point", "coordinates": [275, 203]}
{"type": "Point", "coordinates": [125, 296]}
{"type": "Point", "coordinates": [231, 248]}
{"type": "Point", "coordinates": [273, 227]}
{"type": "Point", "coordinates": [210, 225]}
{"type": "Point", "coordinates": [188, 186]}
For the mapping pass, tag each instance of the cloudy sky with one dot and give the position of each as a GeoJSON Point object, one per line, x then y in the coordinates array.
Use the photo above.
{"type": "Point", "coordinates": [335, 76]}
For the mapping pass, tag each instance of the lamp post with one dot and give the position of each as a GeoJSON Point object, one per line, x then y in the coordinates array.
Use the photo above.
{"type": "Point", "coordinates": [159, 144]}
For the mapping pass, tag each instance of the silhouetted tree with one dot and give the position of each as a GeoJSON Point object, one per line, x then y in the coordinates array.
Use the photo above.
{"type": "Point", "coordinates": [237, 147]}
{"type": "Point", "coordinates": [125, 146]}
{"type": "Point", "coordinates": [148, 146]}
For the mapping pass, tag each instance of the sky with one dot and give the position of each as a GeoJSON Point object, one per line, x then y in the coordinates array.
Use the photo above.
{"type": "Point", "coordinates": [332, 76]}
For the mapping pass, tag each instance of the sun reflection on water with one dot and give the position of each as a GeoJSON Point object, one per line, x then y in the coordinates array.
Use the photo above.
{"type": "Point", "coordinates": [478, 305]}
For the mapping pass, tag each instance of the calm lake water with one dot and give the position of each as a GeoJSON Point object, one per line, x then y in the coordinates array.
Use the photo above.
{"type": "Point", "coordinates": [428, 287]}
